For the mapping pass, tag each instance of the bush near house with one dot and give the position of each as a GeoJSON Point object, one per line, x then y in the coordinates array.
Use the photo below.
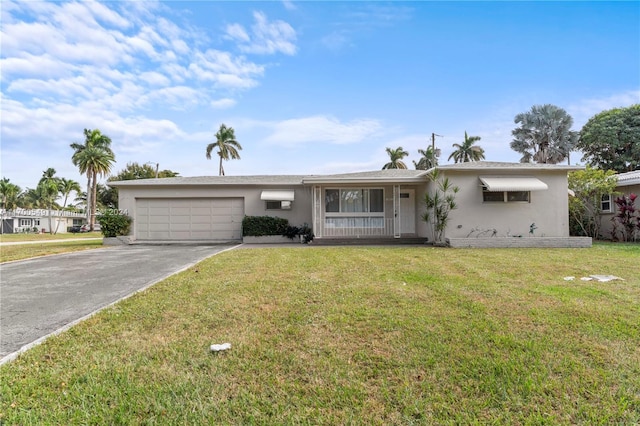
{"type": "Point", "coordinates": [114, 224]}
{"type": "Point", "coordinates": [259, 226]}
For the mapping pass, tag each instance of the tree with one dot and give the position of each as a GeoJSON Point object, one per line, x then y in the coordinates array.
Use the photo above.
{"type": "Point", "coordinates": [49, 188]}
{"type": "Point", "coordinates": [227, 145]}
{"type": "Point", "coordinates": [32, 198]}
{"type": "Point", "coordinates": [141, 171]}
{"type": "Point", "coordinates": [66, 187]}
{"type": "Point", "coordinates": [610, 140]}
{"type": "Point", "coordinates": [439, 204]}
{"type": "Point", "coordinates": [588, 186]}
{"type": "Point", "coordinates": [544, 135]}
{"type": "Point", "coordinates": [395, 157]}
{"type": "Point", "coordinates": [93, 158]}
{"type": "Point", "coordinates": [428, 159]}
{"type": "Point", "coordinates": [9, 193]}
{"type": "Point", "coordinates": [467, 151]}
{"type": "Point", "coordinates": [108, 196]}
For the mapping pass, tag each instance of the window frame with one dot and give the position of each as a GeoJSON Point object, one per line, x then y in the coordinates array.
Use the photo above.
{"type": "Point", "coordinates": [506, 197]}
{"type": "Point", "coordinates": [609, 201]}
{"type": "Point", "coordinates": [342, 213]}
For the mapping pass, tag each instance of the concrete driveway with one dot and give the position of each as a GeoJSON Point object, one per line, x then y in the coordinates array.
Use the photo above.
{"type": "Point", "coordinates": [45, 295]}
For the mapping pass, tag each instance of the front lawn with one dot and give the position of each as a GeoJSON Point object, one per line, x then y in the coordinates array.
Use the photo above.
{"type": "Point", "coordinates": [27, 251]}
{"type": "Point", "coordinates": [12, 238]}
{"type": "Point", "coordinates": [352, 335]}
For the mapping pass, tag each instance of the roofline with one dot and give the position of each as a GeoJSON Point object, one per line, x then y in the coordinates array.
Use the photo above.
{"type": "Point", "coordinates": [508, 166]}
{"type": "Point", "coordinates": [167, 182]}
{"type": "Point", "coordinates": [359, 180]}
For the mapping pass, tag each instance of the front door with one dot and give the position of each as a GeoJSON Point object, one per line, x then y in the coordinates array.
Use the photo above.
{"type": "Point", "coordinates": [407, 211]}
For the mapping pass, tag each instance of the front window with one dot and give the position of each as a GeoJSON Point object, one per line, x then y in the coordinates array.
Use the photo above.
{"type": "Point", "coordinates": [25, 222]}
{"type": "Point", "coordinates": [354, 200]}
{"type": "Point", "coordinates": [605, 203]}
{"type": "Point", "coordinates": [506, 196]}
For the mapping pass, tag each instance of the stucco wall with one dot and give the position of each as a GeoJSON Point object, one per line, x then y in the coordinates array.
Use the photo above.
{"type": "Point", "coordinates": [548, 209]}
{"type": "Point", "coordinates": [606, 225]}
{"type": "Point", "coordinates": [299, 214]}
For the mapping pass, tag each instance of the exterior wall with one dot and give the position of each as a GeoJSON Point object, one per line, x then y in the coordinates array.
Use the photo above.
{"type": "Point", "coordinates": [548, 209]}
{"type": "Point", "coordinates": [299, 213]}
{"type": "Point", "coordinates": [606, 218]}
{"type": "Point", "coordinates": [525, 242]}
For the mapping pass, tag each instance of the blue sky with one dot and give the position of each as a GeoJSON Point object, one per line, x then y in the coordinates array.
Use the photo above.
{"type": "Point", "coordinates": [309, 87]}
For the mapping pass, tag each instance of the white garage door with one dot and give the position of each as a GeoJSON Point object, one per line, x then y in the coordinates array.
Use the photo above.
{"type": "Point", "coordinates": [189, 218]}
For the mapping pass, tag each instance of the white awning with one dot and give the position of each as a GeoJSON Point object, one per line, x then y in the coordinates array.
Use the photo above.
{"type": "Point", "coordinates": [512, 183]}
{"type": "Point", "coordinates": [277, 195]}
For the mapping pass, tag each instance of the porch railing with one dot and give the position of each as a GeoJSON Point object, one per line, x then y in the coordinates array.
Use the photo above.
{"type": "Point", "coordinates": [356, 227]}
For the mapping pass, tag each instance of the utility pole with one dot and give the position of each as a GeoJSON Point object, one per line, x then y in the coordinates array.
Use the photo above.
{"type": "Point", "coordinates": [433, 145]}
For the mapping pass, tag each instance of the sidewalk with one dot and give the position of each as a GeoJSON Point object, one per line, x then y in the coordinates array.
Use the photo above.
{"type": "Point", "coordinates": [49, 241]}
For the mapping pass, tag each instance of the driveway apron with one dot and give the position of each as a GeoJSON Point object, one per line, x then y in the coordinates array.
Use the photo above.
{"type": "Point", "coordinates": [41, 296]}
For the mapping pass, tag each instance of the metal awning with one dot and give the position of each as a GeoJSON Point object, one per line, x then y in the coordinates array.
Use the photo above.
{"type": "Point", "coordinates": [512, 183]}
{"type": "Point", "coordinates": [277, 195]}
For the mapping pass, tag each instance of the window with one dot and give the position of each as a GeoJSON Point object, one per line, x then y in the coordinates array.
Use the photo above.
{"type": "Point", "coordinates": [354, 200]}
{"type": "Point", "coordinates": [25, 222]}
{"type": "Point", "coordinates": [274, 205]}
{"type": "Point", "coordinates": [506, 196]}
{"type": "Point", "coordinates": [36, 222]}
{"type": "Point", "coordinates": [605, 203]}
{"type": "Point", "coordinates": [77, 222]}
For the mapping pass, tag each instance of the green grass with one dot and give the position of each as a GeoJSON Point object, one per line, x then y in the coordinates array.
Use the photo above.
{"type": "Point", "coordinates": [352, 336]}
{"type": "Point", "coordinates": [11, 238]}
{"type": "Point", "coordinates": [27, 251]}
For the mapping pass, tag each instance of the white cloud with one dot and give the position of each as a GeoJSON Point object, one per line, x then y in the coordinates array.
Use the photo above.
{"type": "Point", "coordinates": [266, 37]}
{"type": "Point", "coordinates": [322, 129]}
{"type": "Point", "coordinates": [583, 110]}
{"type": "Point", "coordinates": [223, 103]}
{"type": "Point", "coordinates": [289, 5]}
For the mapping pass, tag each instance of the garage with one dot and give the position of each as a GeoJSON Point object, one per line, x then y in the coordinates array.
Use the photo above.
{"type": "Point", "coordinates": [189, 218]}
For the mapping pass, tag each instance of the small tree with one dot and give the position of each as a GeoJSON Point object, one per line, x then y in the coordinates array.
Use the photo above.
{"type": "Point", "coordinates": [439, 204]}
{"type": "Point", "coordinates": [627, 217]}
{"type": "Point", "coordinates": [588, 186]}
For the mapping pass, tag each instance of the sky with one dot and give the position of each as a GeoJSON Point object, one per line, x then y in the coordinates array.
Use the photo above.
{"type": "Point", "coordinates": [309, 87]}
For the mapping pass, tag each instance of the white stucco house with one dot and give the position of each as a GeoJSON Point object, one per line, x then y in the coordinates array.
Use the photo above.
{"type": "Point", "coordinates": [628, 183]}
{"type": "Point", "coordinates": [499, 204]}
{"type": "Point", "coordinates": [28, 220]}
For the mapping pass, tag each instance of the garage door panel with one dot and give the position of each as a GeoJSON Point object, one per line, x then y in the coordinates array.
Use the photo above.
{"type": "Point", "coordinates": [189, 218]}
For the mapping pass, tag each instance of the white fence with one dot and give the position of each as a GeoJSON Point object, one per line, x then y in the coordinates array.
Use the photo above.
{"type": "Point", "coordinates": [357, 227]}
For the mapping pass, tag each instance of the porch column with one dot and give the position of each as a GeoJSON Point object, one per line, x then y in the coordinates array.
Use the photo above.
{"type": "Point", "coordinates": [396, 211]}
{"type": "Point", "coordinates": [316, 212]}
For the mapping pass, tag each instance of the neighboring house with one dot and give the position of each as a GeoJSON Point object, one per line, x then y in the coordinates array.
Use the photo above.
{"type": "Point", "coordinates": [28, 220]}
{"type": "Point", "coordinates": [495, 200]}
{"type": "Point", "coordinates": [628, 183]}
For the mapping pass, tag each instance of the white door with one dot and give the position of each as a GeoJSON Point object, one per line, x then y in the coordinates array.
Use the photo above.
{"type": "Point", "coordinates": [407, 211]}
{"type": "Point", "coordinates": [189, 218]}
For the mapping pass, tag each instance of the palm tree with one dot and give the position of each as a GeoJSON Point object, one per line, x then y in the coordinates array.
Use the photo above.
{"type": "Point", "coordinates": [50, 187]}
{"type": "Point", "coordinates": [428, 159]}
{"type": "Point", "coordinates": [227, 145]}
{"type": "Point", "coordinates": [9, 194]}
{"type": "Point", "coordinates": [544, 135]}
{"type": "Point", "coordinates": [32, 198]}
{"type": "Point", "coordinates": [395, 158]}
{"type": "Point", "coordinates": [66, 187]}
{"type": "Point", "coordinates": [467, 151]}
{"type": "Point", "coordinates": [92, 158]}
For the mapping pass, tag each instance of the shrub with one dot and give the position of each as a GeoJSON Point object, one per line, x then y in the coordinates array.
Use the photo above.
{"type": "Point", "coordinates": [113, 224]}
{"type": "Point", "coordinates": [258, 226]}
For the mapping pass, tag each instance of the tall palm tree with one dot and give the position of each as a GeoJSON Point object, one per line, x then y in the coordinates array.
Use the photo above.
{"type": "Point", "coordinates": [94, 161]}
{"type": "Point", "coordinates": [544, 135]}
{"type": "Point", "coordinates": [9, 194]}
{"type": "Point", "coordinates": [66, 187]}
{"type": "Point", "coordinates": [395, 158]}
{"type": "Point", "coordinates": [99, 146]}
{"type": "Point", "coordinates": [50, 185]}
{"type": "Point", "coordinates": [227, 145]}
{"type": "Point", "coordinates": [467, 151]}
{"type": "Point", "coordinates": [428, 159]}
